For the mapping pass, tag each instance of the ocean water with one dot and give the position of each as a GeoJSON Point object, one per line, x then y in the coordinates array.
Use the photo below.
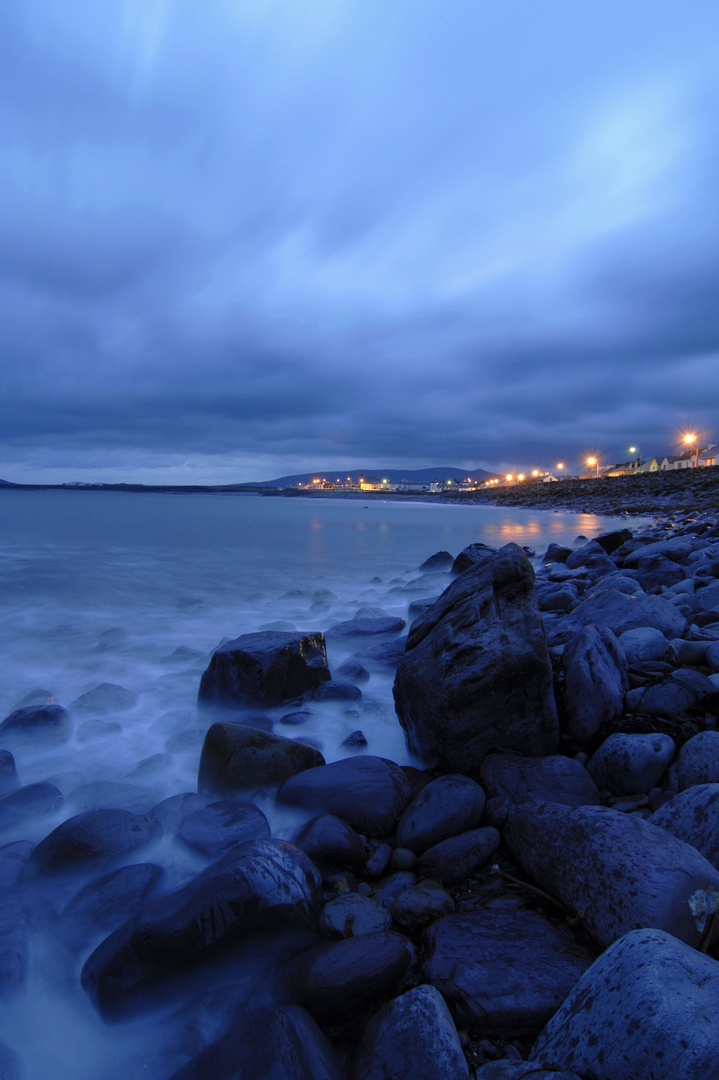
{"type": "Point", "coordinates": [137, 590]}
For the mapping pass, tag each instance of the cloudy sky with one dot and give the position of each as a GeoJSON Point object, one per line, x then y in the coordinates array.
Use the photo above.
{"type": "Point", "coordinates": [251, 237]}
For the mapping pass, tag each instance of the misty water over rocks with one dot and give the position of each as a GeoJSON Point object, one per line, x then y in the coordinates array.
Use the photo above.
{"type": "Point", "coordinates": [112, 605]}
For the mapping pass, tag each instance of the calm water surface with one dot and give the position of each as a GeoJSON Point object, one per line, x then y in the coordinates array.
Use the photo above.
{"type": "Point", "coordinates": [137, 590]}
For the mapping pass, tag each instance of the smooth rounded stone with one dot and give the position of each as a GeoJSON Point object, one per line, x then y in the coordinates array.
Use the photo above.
{"type": "Point", "coordinates": [95, 730]}
{"type": "Point", "coordinates": [676, 693]}
{"type": "Point", "coordinates": [620, 612]}
{"type": "Point", "coordinates": [698, 760]}
{"type": "Point", "coordinates": [13, 948]}
{"type": "Point", "coordinates": [621, 871]}
{"type": "Point", "coordinates": [390, 887]}
{"type": "Point", "coordinates": [236, 757]}
{"type": "Point", "coordinates": [555, 779]}
{"type": "Point", "coordinates": [29, 801]}
{"type": "Point", "coordinates": [282, 1043]}
{"type": "Point", "coordinates": [379, 860]}
{"type": "Point", "coordinates": [612, 541]}
{"type": "Point", "coordinates": [623, 582]}
{"type": "Point", "coordinates": [328, 839]}
{"type": "Point", "coordinates": [421, 905]}
{"type": "Point", "coordinates": [90, 839]}
{"type": "Point", "coordinates": [507, 969]}
{"type": "Point", "coordinates": [214, 829]}
{"type": "Point", "coordinates": [643, 643]}
{"type": "Point", "coordinates": [413, 1037]}
{"type": "Point", "coordinates": [149, 767]}
{"type": "Point", "coordinates": [477, 675]}
{"type": "Point", "coordinates": [368, 792]}
{"type": "Point", "coordinates": [384, 654]}
{"type": "Point", "coordinates": [171, 811]}
{"type": "Point", "coordinates": [690, 652]}
{"type": "Point", "coordinates": [266, 669]}
{"type": "Point", "coordinates": [352, 915]}
{"type": "Point", "coordinates": [9, 779]}
{"type": "Point", "coordinates": [403, 859]}
{"type": "Point", "coordinates": [471, 556]}
{"type": "Point", "coordinates": [104, 698]}
{"type": "Point", "coordinates": [294, 719]}
{"type": "Point", "coordinates": [556, 553]}
{"type": "Point", "coordinates": [656, 570]}
{"type": "Point", "coordinates": [677, 548]}
{"type": "Point", "coordinates": [457, 858]}
{"type": "Point", "coordinates": [355, 740]}
{"type": "Point", "coordinates": [366, 623]}
{"type": "Point", "coordinates": [693, 816]}
{"type": "Point", "coordinates": [591, 556]}
{"type": "Point", "coordinates": [334, 981]}
{"type": "Point", "coordinates": [418, 607]}
{"type": "Point", "coordinates": [34, 697]}
{"type": "Point", "coordinates": [107, 901]}
{"type": "Point", "coordinates": [625, 764]}
{"type": "Point", "coordinates": [337, 691]}
{"type": "Point", "coordinates": [49, 723]}
{"type": "Point", "coordinates": [645, 1010]}
{"type": "Point", "coordinates": [13, 857]}
{"type": "Point", "coordinates": [441, 560]}
{"type": "Point", "coordinates": [103, 794]}
{"type": "Point", "coordinates": [353, 671]}
{"type": "Point", "coordinates": [708, 597]}
{"type": "Point", "coordinates": [558, 598]}
{"type": "Point", "coordinates": [192, 739]}
{"type": "Point", "coordinates": [445, 807]}
{"type": "Point", "coordinates": [261, 885]}
{"type": "Point", "coordinates": [511, 1069]}
{"type": "Point", "coordinates": [595, 680]}
{"type": "Point", "coordinates": [712, 655]}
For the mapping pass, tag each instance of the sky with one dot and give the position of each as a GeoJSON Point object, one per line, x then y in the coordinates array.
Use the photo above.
{"type": "Point", "coordinates": [247, 238]}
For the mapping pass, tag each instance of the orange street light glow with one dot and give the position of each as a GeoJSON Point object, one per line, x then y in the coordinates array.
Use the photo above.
{"type": "Point", "coordinates": [521, 476]}
{"type": "Point", "coordinates": [508, 476]}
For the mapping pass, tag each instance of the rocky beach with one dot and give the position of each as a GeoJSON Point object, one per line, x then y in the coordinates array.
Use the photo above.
{"type": "Point", "coordinates": [536, 897]}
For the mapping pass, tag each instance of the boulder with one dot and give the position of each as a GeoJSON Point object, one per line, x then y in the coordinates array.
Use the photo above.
{"type": "Point", "coordinates": [27, 802]}
{"type": "Point", "coordinates": [591, 557]}
{"type": "Point", "coordinates": [677, 549]}
{"type": "Point", "coordinates": [698, 760]}
{"type": "Point", "coordinates": [368, 792]}
{"type": "Point", "coordinates": [477, 675]}
{"type": "Point", "coordinates": [265, 669]}
{"type": "Point", "coordinates": [617, 869]}
{"type": "Point", "coordinates": [643, 643]}
{"type": "Point", "coordinates": [50, 723]}
{"type": "Point", "coordinates": [421, 905]}
{"type": "Point", "coordinates": [389, 888]}
{"type": "Point", "coordinates": [676, 693]}
{"type": "Point", "coordinates": [104, 698]}
{"type": "Point", "coordinates": [442, 560]}
{"type": "Point", "coordinates": [281, 1043]}
{"type": "Point", "coordinates": [100, 794]}
{"type": "Point", "coordinates": [654, 571]}
{"type": "Point", "coordinates": [384, 654]}
{"type": "Point", "coordinates": [447, 806]}
{"type": "Point", "coordinates": [259, 885]}
{"type": "Point", "coordinates": [107, 901]}
{"type": "Point", "coordinates": [627, 764]}
{"type": "Point", "coordinates": [556, 553]}
{"type": "Point", "coordinates": [553, 779]}
{"type": "Point", "coordinates": [506, 969]}
{"type": "Point", "coordinates": [411, 1038]}
{"type": "Point", "coordinates": [334, 981]}
{"type": "Point", "coordinates": [366, 623]}
{"type": "Point", "coordinates": [92, 839]}
{"type": "Point", "coordinates": [645, 1010]}
{"type": "Point", "coordinates": [352, 915]}
{"type": "Point", "coordinates": [236, 757]}
{"type": "Point", "coordinates": [472, 555]}
{"type": "Point", "coordinates": [220, 826]}
{"type": "Point", "coordinates": [457, 858]}
{"type": "Point", "coordinates": [353, 671]}
{"type": "Point", "coordinates": [620, 611]}
{"type": "Point", "coordinates": [595, 680]}
{"type": "Point", "coordinates": [334, 690]}
{"type": "Point", "coordinates": [693, 816]}
{"type": "Point", "coordinates": [708, 597]}
{"type": "Point", "coordinates": [328, 839]}
{"type": "Point", "coordinates": [611, 541]}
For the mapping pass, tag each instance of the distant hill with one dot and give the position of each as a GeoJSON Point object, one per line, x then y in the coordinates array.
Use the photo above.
{"type": "Point", "coordinates": [440, 473]}
{"type": "Point", "coordinates": [6, 483]}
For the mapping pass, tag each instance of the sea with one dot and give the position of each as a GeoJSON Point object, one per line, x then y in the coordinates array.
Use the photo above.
{"type": "Point", "coordinates": [137, 590]}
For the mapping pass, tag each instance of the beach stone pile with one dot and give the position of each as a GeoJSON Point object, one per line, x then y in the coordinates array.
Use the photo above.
{"type": "Point", "coordinates": [540, 900]}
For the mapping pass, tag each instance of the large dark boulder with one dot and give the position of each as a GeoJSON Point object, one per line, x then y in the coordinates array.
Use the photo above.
{"type": "Point", "coordinates": [367, 623]}
{"type": "Point", "coordinates": [259, 885]}
{"type": "Point", "coordinates": [264, 669]}
{"type": "Point", "coordinates": [620, 612]}
{"type": "Point", "coordinates": [553, 779]}
{"type": "Point", "coordinates": [282, 1043]}
{"type": "Point", "coordinates": [220, 826]}
{"type": "Point", "coordinates": [92, 839]}
{"type": "Point", "coordinates": [693, 816]}
{"type": "Point", "coordinates": [447, 806]}
{"type": "Point", "coordinates": [27, 802]}
{"type": "Point", "coordinates": [50, 723]}
{"type": "Point", "coordinates": [477, 675]}
{"type": "Point", "coordinates": [107, 901]}
{"type": "Point", "coordinates": [506, 969]}
{"type": "Point", "coordinates": [104, 698]}
{"type": "Point", "coordinates": [368, 792]}
{"type": "Point", "coordinates": [237, 757]}
{"type": "Point", "coordinates": [472, 555]}
{"type": "Point", "coordinates": [596, 677]}
{"type": "Point", "coordinates": [618, 870]}
{"type": "Point", "coordinates": [328, 839]}
{"type": "Point", "coordinates": [455, 859]}
{"type": "Point", "coordinates": [611, 541]}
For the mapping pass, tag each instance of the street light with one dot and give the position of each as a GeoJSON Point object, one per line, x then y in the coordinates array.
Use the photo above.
{"type": "Point", "coordinates": [593, 461]}
{"type": "Point", "coordinates": [689, 439]}
{"type": "Point", "coordinates": [561, 465]}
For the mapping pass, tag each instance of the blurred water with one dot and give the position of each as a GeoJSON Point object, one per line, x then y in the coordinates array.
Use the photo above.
{"type": "Point", "coordinates": [137, 589]}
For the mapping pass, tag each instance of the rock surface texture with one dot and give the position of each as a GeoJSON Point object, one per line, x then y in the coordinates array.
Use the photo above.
{"type": "Point", "coordinates": [264, 669]}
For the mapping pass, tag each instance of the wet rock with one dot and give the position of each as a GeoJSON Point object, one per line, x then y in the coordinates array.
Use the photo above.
{"type": "Point", "coordinates": [367, 792]}
{"type": "Point", "coordinates": [107, 901]}
{"type": "Point", "coordinates": [49, 723]}
{"type": "Point", "coordinates": [384, 654]}
{"type": "Point", "coordinates": [367, 622]}
{"type": "Point", "coordinates": [266, 669]}
{"type": "Point", "coordinates": [334, 690]}
{"type": "Point", "coordinates": [171, 811]}
{"type": "Point", "coordinates": [103, 794]}
{"type": "Point", "coordinates": [556, 553]}
{"type": "Point", "coordinates": [678, 549]}
{"type": "Point", "coordinates": [471, 556]}
{"type": "Point", "coordinates": [379, 860]}
{"type": "Point", "coordinates": [28, 802]}
{"type": "Point", "coordinates": [645, 1010]}
{"type": "Point", "coordinates": [595, 680]}
{"type": "Point", "coordinates": [13, 948]}
{"type": "Point", "coordinates": [625, 764]}
{"type": "Point", "coordinates": [654, 571]}
{"type": "Point", "coordinates": [612, 541]}
{"type": "Point", "coordinates": [104, 698]}
{"type": "Point", "coordinates": [34, 697]}
{"type": "Point", "coordinates": [354, 740]}
{"type": "Point", "coordinates": [447, 806]}
{"type": "Point", "coordinates": [421, 905]}
{"type": "Point", "coordinates": [411, 1038]}
{"type": "Point", "coordinates": [619, 612]}
{"type": "Point", "coordinates": [643, 643]}
{"type": "Point", "coordinates": [235, 757]}
{"type": "Point", "coordinates": [476, 675]}
{"type": "Point", "coordinates": [353, 671]}
{"type": "Point", "coordinates": [294, 719]}
{"type": "Point", "coordinates": [698, 760]}
{"type": "Point", "coordinates": [676, 693]}
{"type": "Point", "coordinates": [506, 969]}
{"type": "Point", "coordinates": [334, 981]}
{"type": "Point", "coordinates": [708, 597]}
{"type": "Point", "coordinates": [618, 869]}
{"type": "Point", "coordinates": [352, 915]}
{"type": "Point", "coordinates": [91, 839]}
{"type": "Point", "coordinates": [390, 887]}
{"type": "Point", "coordinates": [95, 730]}
{"type": "Point", "coordinates": [222, 825]}
{"type": "Point", "coordinates": [591, 557]}
{"type": "Point", "coordinates": [282, 1043]}
{"type": "Point", "coordinates": [9, 779]}
{"type": "Point", "coordinates": [259, 885]}
{"type": "Point", "coordinates": [441, 560]}
{"type": "Point", "coordinates": [555, 779]}
{"type": "Point", "coordinates": [403, 859]}
{"type": "Point", "coordinates": [328, 839]}
{"type": "Point", "coordinates": [693, 816]}
{"type": "Point", "coordinates": [558, 598]}
{"type": "Point", "coordinates": [457, 858]}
